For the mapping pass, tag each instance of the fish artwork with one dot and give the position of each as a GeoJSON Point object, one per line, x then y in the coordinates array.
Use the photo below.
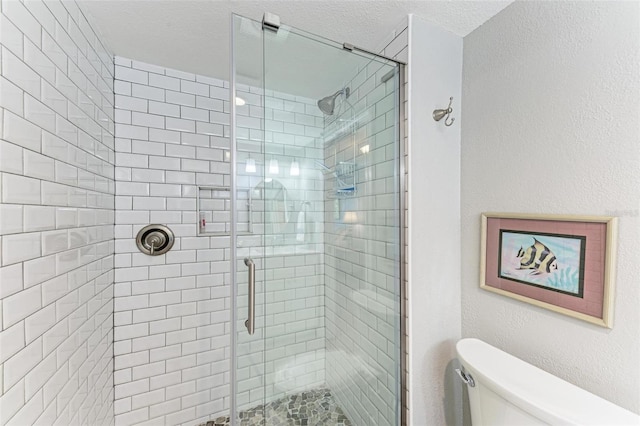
{"type": "Point", "coordinates": [538, 257]}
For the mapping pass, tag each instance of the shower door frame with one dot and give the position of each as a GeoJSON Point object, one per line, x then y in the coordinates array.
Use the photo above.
{"type": "Point", "coordinates": [402, 177]}
{"type": "Point", "coordinates": [402, 229]}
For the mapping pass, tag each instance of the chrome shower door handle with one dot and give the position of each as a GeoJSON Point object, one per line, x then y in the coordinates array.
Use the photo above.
{"type": "Point", "coordinates": [250, 323]}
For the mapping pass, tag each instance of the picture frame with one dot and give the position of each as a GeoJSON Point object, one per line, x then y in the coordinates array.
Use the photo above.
{"type": "Point", "coordinates": [562, 263]}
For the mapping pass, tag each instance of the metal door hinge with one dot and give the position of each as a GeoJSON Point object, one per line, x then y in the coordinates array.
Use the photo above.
{"type": "Point", "coordinates": [271, 22]}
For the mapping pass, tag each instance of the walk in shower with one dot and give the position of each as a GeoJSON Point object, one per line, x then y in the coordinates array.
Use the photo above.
{"type": "Point", "coordinates": [316, 230]}
{"type": "Point", "coordinates": [136, 200]}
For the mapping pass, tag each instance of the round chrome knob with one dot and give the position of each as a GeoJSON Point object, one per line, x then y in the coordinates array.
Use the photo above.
{"type": "Point", "coordinates": [155, 240]}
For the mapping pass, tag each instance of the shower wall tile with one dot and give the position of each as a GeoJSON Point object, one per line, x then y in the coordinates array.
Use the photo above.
{"type": "Point", "coordinates": [56, 228]}
{"type": "Point", "coordinates": [170, 309]}
{"type": "Point", "coordinates": [172, 312]}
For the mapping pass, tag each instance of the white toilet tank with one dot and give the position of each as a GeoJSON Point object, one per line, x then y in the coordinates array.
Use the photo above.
{"type": "Point", "coordinates": [511, 392]}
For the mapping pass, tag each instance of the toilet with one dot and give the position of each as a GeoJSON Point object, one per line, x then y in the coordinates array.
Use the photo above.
{"type": "Point", "coordinates": [504, 390]}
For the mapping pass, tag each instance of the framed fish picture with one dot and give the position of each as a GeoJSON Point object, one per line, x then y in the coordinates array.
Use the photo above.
{"type": "Point", "coordinates": [561, 263]}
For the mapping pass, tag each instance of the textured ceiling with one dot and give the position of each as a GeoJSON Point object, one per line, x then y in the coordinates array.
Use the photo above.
{"type": "Point", "coordinates": [193, 36]}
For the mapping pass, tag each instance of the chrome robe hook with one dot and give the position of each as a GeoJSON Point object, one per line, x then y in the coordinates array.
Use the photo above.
{"type": "Point", "coordinates": [438, 114]}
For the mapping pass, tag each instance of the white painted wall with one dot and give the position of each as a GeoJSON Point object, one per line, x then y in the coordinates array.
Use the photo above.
{"type": "Point", "coordinates": [435, 73]}
{"type": "Point", "coordinates": [551, 112]}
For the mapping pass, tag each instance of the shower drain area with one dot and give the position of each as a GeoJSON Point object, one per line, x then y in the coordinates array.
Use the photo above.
{"type": "Point", "coordinates": [312, 408]}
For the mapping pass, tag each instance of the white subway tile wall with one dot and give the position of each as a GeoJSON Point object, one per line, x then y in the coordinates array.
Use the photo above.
{"type": "Point", "coordinates": [56, 217]}
{"type": "Point", "coordinates": [362, 250]}
{"type": "Point", "coordinates": [172, 312]}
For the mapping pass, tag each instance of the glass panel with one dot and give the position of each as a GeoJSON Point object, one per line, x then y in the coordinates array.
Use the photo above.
{"type": "Point", "coordinates": [319, 181]}
{"type": "Point", "coordinates": [332, 264]}
{"type": "Point", "coordinates": [248, 159]}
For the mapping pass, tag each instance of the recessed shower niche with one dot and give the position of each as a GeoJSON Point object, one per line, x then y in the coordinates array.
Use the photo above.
{"type": "Point", "coordinates": [213, 207]}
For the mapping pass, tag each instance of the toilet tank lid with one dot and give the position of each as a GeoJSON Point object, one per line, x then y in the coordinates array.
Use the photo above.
{"type": "Point", "coordinates": [534, 390]}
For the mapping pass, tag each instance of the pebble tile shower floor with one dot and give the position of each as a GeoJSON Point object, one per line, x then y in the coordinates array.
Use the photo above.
{"type": "Point", "coordinates": [315, 407]}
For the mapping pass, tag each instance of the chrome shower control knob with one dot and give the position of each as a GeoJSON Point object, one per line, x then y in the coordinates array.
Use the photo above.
{"type": "Point", "coordinates": [155, 240]}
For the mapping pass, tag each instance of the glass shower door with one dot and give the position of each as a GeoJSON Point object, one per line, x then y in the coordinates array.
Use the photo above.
{"type": "Point", "coordinates": [321, 130]}
{"type": "Point", "coordinates": [247, 110]}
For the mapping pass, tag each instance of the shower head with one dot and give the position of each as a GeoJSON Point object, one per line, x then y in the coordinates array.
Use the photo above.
{"type": "Point", "coordinates": [327, 104]}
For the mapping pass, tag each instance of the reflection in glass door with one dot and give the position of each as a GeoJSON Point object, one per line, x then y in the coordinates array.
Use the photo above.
{"type": "Point", "coordinates": [316, 167]}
